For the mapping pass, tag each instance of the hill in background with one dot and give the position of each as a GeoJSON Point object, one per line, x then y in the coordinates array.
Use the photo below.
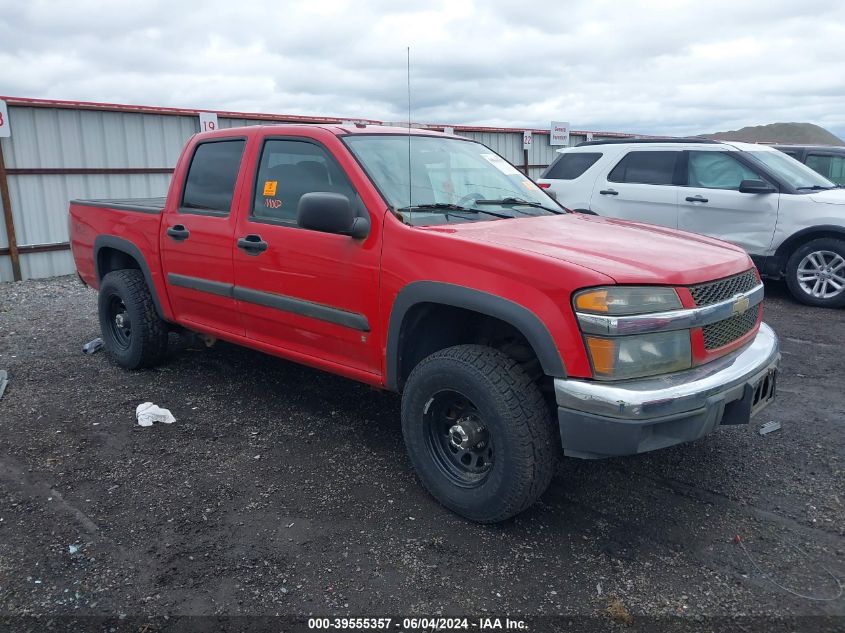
{"type": "Point", "coordinates": [791, 133]}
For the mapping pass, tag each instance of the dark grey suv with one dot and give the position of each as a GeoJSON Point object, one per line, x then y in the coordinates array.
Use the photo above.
{"type": "Point", "coordinates": [828, 160]}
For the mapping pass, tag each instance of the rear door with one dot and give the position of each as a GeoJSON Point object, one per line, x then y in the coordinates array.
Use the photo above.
{"type": "Point", "coordinates": [310, 294]}
{"type": "Point", "coordinates": [711, 203]}
{"type": "Point", "coordinates": [640, 187]}
{"type": "Point", "coordinates": [196, 239]}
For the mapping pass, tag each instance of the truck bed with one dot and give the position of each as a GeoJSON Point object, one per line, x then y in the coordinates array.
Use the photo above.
{"type": "Point", "coordinates": [142, 205]}
{"type": "Point", "coordinates": [123, 223]}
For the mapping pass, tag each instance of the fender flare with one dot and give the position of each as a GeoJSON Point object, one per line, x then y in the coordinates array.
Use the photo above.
{"type": "Point", "coordinates": [125, 246]}
{"type": "Point", "coordinates": [525, 321]}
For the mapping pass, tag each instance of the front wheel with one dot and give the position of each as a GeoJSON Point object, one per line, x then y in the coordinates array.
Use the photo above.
{"type": "Point", "coordinates": [133, 333]}
{"type": "Point", "coordinates": [815, 273]}
{"type": "Point", "coordinates": [479, 433]}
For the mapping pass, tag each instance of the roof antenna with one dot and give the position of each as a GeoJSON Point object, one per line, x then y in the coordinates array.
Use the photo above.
{"type": "Point", "coordinates": [410, 185]}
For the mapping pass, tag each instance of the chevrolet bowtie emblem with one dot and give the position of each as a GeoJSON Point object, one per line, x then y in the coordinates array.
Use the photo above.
{"type": "Point", "coordinates": [741, 305]}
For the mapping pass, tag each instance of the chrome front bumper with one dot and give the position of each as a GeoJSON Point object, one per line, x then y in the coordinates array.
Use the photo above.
{"type": "Point", "coordinates": [600, 419]}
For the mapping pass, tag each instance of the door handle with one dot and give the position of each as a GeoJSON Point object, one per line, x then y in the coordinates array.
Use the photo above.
{"type": "Point", "coordinates": [696, 199]}
{"type": "Point", "coordinates": [178, 232]}
{"type": "Point", "coordinates": [252, 244]}
{"type": "Point", "coordinates": [609, 192]}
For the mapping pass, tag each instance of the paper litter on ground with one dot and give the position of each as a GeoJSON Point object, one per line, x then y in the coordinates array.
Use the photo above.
{"type": "Point", "coordinates": [147, 413]}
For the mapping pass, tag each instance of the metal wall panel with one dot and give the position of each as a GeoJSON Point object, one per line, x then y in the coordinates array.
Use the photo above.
{"type": "Point", "coordinates": [55, 138]}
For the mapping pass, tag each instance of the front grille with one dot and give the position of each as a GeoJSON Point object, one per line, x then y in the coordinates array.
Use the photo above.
{"type": "Point", "coordinates": [716, 291]}
{"type": "Point", "coordinates": [721, 333]}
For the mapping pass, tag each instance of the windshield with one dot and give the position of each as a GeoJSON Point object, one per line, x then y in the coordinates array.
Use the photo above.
{"type": "Point", "coordinates": [449, 181]}
{"type": "Point", "coordinates": [791, 171]}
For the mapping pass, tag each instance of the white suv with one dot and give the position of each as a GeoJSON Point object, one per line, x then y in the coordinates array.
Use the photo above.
{"type": "Point", "coordinates": [790, 219]}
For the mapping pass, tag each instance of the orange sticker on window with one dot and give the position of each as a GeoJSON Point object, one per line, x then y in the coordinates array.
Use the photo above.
{"type": "Point", "coordinates": [270, 187]}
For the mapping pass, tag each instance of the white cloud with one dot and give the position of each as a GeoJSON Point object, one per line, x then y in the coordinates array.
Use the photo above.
{"type": "Point", "coordinates": [649, 66]}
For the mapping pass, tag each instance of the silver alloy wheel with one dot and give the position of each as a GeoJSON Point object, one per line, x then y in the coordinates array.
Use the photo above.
{"type": "Point", "coordinates": [821, 274]}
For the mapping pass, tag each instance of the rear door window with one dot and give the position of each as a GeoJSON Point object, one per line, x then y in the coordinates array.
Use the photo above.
{"type": "Point", "coordinates": [717, 170]}
{"type": "Point", "coordinates": [646, 167]}
{"type": "Point", "coordinates": [830, 166]}
{"type": "Point", "coordinates": [571, 165]}
{"type": "Point", "coordinates": [212, 175]}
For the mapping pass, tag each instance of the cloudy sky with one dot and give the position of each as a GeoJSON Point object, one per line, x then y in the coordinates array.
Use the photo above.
{"type": "Point", "coordinates": [654, 66]}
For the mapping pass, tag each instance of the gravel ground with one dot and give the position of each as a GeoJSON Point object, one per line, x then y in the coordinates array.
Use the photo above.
{"type": "Point", "coordinates": [284, 490]}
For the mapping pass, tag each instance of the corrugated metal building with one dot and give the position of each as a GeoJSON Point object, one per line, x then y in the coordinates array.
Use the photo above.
{"type": "Point", "coordinates": [64, 150]}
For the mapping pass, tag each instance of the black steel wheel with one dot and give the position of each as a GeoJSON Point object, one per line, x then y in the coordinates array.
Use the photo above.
{"type": "Point", "coordinates": [461, 445]}
{"type": "Point", "coordinates": [120, 323]}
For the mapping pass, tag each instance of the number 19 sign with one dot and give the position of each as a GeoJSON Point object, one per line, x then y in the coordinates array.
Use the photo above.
{"type": "Point", "coordinates": [208, 121]}
{"type": "Point", "coordinates": [5, 129]}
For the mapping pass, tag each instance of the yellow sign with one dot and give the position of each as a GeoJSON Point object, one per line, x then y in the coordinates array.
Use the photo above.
{"type": "Point", "coordinates": [270, 187]}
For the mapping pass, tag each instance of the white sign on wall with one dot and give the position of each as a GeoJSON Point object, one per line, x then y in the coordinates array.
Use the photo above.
{"type": "Point", "coordinates": [526, 140]}
{"type": "Point", "coordinates": [559, 133]}
{"type": "Point", "coordinates": [5, 128]}
{"type": "Point", "coordinates": [589, 136]}
{"type": "Point", "coordinates": [208, 121]}
{"type": "Point", "coordinates": [448, 130]}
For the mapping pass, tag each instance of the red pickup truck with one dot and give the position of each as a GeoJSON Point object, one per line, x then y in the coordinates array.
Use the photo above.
{"type": "Point", "coordinates": [426, 264]}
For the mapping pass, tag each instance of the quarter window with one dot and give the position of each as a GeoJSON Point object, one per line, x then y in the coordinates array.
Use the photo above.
{"type": "Point", "coordinates": [717, 170]}
{"type": "Point", "coordinates": [289, 169]}
{"type": "Point", "coordinates": [571, 165]}
{"type": "Point", "coordinates": [212, 175]}
{"type": "Point", "coordinates": [646, 167]}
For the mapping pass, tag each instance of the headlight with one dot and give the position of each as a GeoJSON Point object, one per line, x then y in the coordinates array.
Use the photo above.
{"type": "Point", "coordinates": [623, 357]}
{"type": "Point", "coordinates": [622, 300]}
{"type": "Point", "coordinates": [635, 356]}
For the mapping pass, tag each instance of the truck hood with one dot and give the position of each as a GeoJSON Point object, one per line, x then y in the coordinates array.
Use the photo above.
{"type": "Point", "coordinates": [831, 196]}
{"type": "Point", "coordinates": [628, 252]}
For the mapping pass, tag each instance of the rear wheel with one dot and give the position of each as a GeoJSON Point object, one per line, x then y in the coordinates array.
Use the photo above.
{"type": "Point", "coordinates": [478, 432]}
{"type": "Point", "coordinates": [133, 333]}
{"type": "Point", "coordinates": [815, 273]}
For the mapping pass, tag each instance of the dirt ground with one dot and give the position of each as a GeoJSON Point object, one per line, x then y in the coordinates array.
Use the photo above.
{"type": "Point", "coordinates": [284, 490]}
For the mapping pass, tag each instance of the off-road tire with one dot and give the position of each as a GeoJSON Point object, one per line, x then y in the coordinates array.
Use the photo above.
{"type": "Point", "coordinates": [514, 411]}
{"type": "Point", "coordinates": [824, 244]}
{"type": "Point", "coordinates": [147, 344]}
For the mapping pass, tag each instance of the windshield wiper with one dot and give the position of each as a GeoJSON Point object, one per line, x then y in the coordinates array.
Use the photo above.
{"type": "Point", "coordinates": [448, 207]}
{"type": "Point", "coordinates": [815, 188]}
{"type": "Point", "coordinates": [521, 202]}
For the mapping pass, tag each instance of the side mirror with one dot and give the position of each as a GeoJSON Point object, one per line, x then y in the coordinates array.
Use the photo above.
{"type": "Point", "coordinates": [331, 213]}
{"type": "Point", "coordinates": [755, 186]}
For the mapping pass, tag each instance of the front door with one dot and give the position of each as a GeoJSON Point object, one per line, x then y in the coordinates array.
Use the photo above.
{"type": "Point", "coordinates": [196, 239]}
{"type": "Point", "coordinates": [712, 204]}
{"type": "Point", "coordinates": [313, 295]}
{"type": "Point", "coordinates": [640, 187]}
